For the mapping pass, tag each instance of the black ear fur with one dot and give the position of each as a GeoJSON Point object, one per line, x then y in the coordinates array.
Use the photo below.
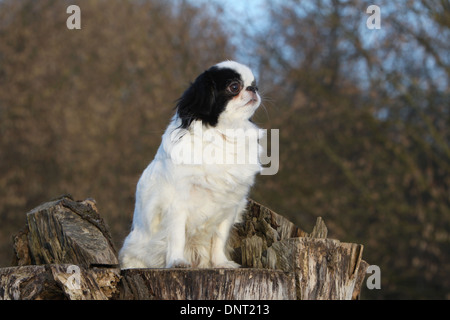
{"type": "Point", "coordinates": [197, 102]}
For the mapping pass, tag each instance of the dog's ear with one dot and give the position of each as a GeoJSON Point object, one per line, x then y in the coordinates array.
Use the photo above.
{"type": "Point", "coordinates": [197, 102]}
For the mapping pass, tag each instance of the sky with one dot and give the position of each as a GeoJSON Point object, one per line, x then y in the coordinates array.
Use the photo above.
{"type": "Point", "coordinates": [251, 13]}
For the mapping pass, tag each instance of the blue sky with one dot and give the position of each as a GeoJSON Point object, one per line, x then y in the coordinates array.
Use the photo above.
{"type": "Point", "coordinates": [236, 13]}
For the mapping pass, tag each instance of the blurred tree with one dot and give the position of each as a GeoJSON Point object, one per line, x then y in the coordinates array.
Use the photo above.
{"type": "Point", "coordinates": [364, 124]}
{"type": "Point", "coordinates": [82, 111]}
{"type": "Point", "coordinates": [363, 115]}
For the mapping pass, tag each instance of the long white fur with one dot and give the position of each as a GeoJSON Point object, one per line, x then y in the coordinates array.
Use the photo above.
{"type": "Point", "coordinates": [184, 212]}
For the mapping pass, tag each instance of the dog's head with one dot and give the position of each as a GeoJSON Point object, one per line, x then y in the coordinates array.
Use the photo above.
{"type": "Point", "coordinates": [224, 94]}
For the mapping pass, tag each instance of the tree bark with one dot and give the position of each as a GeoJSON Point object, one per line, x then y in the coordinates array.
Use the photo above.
{"type": "Point", "coordinates": [65, 231]}
{"type": "Point", "coordinates": [66, 252]}
{"type": "Point", "coordinates": [206, 284]}
{"type": "Point", "coordinates": [58, 282]}
{"type": "Point", "coordinates": [324, 269]}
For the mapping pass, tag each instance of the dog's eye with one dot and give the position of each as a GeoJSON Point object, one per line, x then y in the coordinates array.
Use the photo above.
{"type": "Point", "coordinates": [234, 87]}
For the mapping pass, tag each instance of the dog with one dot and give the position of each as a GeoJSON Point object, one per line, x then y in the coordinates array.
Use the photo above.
{"type": "Point", "coordinates": [186, 199]}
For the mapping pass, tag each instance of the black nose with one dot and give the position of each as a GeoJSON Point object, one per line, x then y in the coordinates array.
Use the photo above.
{"type": "Point", "coordinates": [252, 89]}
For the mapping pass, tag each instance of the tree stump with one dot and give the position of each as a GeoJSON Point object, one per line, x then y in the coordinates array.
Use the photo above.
{"type": "Point", "coordinates": [65, 231]}
{"type": "Point", "coordinates": [323, 268]}
{"type": "Point", "coordinates": [210, 284]}
{"type": "Point", "coordinates": [57, 282]}
{"type": "Point", "coordinates": [66, 252]}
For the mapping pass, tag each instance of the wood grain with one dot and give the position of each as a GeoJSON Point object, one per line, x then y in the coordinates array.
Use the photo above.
{"type": "Point", "coordinates": [206, 284]}
{"type": "Point", "coordinates": [65, 251]}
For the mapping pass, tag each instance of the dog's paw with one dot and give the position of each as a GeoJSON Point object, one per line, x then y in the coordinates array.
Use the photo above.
{"type": "Point", "coordinates": [228, 264]}
{"type": "Point", "coordinates": [179, 263]}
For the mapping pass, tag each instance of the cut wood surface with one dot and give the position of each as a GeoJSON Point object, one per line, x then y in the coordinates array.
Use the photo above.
{"type": "Point", "coordinates": [65, 251]}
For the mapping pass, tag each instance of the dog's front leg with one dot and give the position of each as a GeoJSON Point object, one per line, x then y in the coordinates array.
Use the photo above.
{"type": "Point", "coordinates": [218, 242]}
{"type": "Point", "coordinates": [176, 239]}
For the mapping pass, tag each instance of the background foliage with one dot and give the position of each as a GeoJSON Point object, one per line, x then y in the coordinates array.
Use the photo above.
{"type": "Point", "coordinates": [363, 114]}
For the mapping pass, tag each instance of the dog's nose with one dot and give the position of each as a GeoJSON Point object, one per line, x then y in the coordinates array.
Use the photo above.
{"type": "Point", "coordinates": [252, 89]}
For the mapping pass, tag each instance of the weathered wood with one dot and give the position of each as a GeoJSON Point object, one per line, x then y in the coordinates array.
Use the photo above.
{"type": "Point", "coordinates": [320, 229]}
{"type": "Point", "coordinates": [66, 241]}
{"type": "Point", "coordinates": [361, 274]}
{"type": "Point", "coordinates": [259, 230]}
{"type": "Point", "coordinates": [206, 284]}
{"type": "Point", "coordinates": [325, 269]}
{"type": "Point", "coordinates": [265, 239]}
{"type": "Point", "coordinates": [65, 231]}
{"type": "Point", "coordinates": [57, 282]}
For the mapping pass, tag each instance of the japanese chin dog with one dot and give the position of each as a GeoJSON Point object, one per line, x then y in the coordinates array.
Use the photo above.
{"type": "Point", "coordinates": [188, 198]}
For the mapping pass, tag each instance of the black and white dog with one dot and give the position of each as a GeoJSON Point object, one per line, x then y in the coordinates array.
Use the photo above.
{"type": "Point", "coordinates": [185, 207]}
